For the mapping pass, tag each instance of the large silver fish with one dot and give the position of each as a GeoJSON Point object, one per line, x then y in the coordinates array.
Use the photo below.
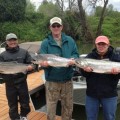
{"type": "Point", "coordinates": [53, 60]}
{"type": "Point", "coordinates": [98, 66]}
{"type": "Point", "coordinates": [12, 68]}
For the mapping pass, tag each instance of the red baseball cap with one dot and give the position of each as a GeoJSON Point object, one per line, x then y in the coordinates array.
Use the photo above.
{"type": "Point", "coordinates": [103, 39]}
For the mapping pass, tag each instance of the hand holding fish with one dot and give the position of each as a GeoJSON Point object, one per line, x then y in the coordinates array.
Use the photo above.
{"type": "Point", "coordinates": [115, 71]}
{"type": "Point", "coordinates": [46, 60]}
{"type": "Point", "coordinates": [29, 68]}
{"type": "Point", "coordinates": [71, 62]}
{"type": "Point", "coordinates": [44, 64]}
{"type": "Point", "coordinates": [87, 69]}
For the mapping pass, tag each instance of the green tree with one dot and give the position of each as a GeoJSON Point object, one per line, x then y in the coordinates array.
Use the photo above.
{"type": "Point", "coordinates": [72, 25]}
{"type": "Point", "coordinates": [30, 8]}
{"type": "Point", "coordinates": [48, 9]}
{"type": "Point", "coordinates": [12, 10]}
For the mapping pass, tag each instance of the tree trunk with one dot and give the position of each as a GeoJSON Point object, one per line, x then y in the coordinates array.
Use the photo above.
{"type": "Point", "coordinates": [99, 31]}
{"type": "Point", "coordinates": [86, 34]}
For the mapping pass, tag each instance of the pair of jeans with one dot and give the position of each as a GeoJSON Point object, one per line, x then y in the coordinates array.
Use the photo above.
{"type": "Point", "coordinates": [109, 106]}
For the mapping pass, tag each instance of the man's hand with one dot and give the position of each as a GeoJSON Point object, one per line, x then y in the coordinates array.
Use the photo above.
{"type": "Point", "coordinates": [88, 69]}
{"type": "Point", "coordinates": [115, 71]}
{"type": "Point", "coordinates": [44, 64]}
{"type": "Point", "coordinates": [30, 68]}
{"type": "Point", "coordinates": [71, 62]}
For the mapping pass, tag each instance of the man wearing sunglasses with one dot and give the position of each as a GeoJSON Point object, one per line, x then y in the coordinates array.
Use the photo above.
{"type": "Point", "coordinates": [58, 80]}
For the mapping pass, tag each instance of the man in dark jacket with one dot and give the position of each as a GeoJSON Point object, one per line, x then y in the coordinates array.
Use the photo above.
{"type": "Point", "coordinates": [58, 80]}
{"type": "Point", "coordinates": [16, 84]}
{"type": "Point", "coordinates": [101, 88]}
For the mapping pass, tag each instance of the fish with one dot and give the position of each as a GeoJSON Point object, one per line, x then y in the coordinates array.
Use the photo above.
{"type": "Point", "coordinates": [98, 66]}
{"type": "Point", "coordinates": [13, 68]}
{"type": "Point", "coordinates": [53, 60]}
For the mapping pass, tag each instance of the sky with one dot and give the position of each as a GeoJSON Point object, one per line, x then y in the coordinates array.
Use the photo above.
{"type": "Point", "coordinates": [115, 3]}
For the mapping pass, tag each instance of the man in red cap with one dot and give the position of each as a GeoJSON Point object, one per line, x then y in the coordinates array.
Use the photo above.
{"type": "Point", "coordinates": [101, 88]}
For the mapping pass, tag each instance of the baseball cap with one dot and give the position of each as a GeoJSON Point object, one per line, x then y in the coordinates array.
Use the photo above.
{"type": "Point", "coordinates": [10, 36]}
{"type": "Point", "coordinates": [55, 20]}
{"type": "Point", "coordinates": [103, 39]}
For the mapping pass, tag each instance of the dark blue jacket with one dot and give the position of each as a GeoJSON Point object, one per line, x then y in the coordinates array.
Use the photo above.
{"type": "Point", "coordinates": [102, 85]}
{"type": "Point", "coordinates": [68, 49]}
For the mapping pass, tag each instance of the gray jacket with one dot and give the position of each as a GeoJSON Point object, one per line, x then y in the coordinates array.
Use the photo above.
{"type": "Point", "coordinates": [19, 55]}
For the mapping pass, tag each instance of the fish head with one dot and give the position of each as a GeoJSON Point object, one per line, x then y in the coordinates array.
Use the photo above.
{"type": "Point", "coordinates": [39, 58]}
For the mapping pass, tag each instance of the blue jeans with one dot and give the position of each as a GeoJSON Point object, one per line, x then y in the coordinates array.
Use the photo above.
{"type": "Point", "coordinates": [109, 106]}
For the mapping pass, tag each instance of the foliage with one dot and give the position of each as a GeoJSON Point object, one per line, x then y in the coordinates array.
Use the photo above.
{"type": "Point", "coordinates": [30, 8]}
{"type": "Point", "coordinates": [33, 26]}
{"type": "Point", "coordinates": [71, 24]}
{"type": "Point", "coordinates": [109, 11]}
{"type": "Point", "coordinates": [26, 31]}
{"type": "Point", "coordinates": [110, 27]}
{"type": "Point", "coordinates": [48, 9]}
{"type": "Point", "coordinates": [12, 10]}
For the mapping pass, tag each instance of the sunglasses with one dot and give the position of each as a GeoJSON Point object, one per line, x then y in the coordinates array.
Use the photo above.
{"type": "Point", "coordinates": [54, 26]}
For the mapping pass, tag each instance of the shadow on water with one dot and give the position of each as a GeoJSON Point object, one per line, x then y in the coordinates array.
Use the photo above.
{"type": "Point", "coordinates": [39, 103]}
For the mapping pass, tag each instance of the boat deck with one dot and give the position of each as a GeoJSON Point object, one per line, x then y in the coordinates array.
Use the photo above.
{"type": "Point", "coordinates": [35, 82]}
